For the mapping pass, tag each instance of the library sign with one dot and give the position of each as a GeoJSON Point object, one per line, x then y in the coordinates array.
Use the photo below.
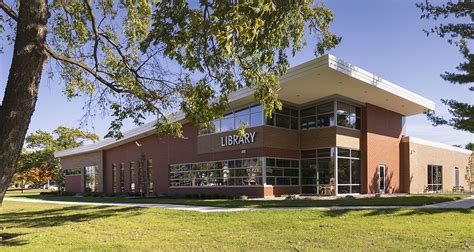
{"type": "Point", "coordinates": [230, 140]}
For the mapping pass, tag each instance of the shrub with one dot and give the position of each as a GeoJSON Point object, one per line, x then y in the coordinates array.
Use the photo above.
{"type": "Point", "coordinates": [243, 197]}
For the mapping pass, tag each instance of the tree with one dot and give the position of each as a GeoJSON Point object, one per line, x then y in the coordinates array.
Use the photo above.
{"type": "Point", "coordinates": [37, 163]}
{"type": "Point", "coordinates": [135, 58]}
{"type": "Point", "coordinates": [459, 33]}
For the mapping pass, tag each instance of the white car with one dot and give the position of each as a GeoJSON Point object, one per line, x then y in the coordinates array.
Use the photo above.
{"type": "Point", "coordinates": [53, 187]}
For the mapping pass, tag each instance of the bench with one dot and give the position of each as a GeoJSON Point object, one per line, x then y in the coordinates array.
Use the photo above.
{"type": "Point", "coordinates": [458, 189]}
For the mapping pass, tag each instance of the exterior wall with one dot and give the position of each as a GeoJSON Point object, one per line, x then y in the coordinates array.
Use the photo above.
{"type": "Point", "coordinates": [265, 136]}
{"type": "Point", "coordinates": [76, 183]}
{"type": "Point", "coordinates": [167, 150]}
{"type": "Point", "coordinates": [420, 156]}
{"type": "Point", "coordinates": [380, 144]}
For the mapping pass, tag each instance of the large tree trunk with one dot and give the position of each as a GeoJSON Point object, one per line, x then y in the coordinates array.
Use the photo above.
{"type": "Point", "coordinates": [29, 57]}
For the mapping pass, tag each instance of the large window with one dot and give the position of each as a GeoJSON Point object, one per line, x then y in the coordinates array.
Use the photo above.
{"type": "Point", "coordinates": [122, 177]}
{"type": "Point", "coordinates": [239, 172]}
{"type": "Point", "coordinates": [253, 116]}
{"type": "Point", "coordinates": [133, 176]}
{"type": "Point", "coordinates": [285, 118]}
{"type": "Point", "coordinates": [317, 171]}
{"type": "Point", "coordinates": [282, 171]}
{"type": "Point", "coordinates": [435, 178]}
{"type": "Point", "coordinates": [318, 116]}
{"type": "Point", "coordinates": [91, 179]}
{"type": "Point", "coordinates": [348, 171]}
{"type": "Point", "coordinates": [149, 173]}
{"type": "Point", "coordinates": [114, 178]}
{"type": "Point", "coordinates": [348, 116]}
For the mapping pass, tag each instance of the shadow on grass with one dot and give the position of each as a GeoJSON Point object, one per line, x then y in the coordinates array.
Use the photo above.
{"type": "Point", "coordinates": [398, 211]}
{"type": "Point", "coordinates": [8, 239]}
{"type": "Point", "coordinates": [54, 217]}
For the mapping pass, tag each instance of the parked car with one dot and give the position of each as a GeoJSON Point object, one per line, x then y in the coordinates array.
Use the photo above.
{"type": "Point", "coordinates": [53, 187]}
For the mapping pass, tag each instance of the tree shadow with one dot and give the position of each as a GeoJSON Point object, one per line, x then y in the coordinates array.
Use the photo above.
{"type": "Point", "coordinates": [397, 211]}
{"type": "Point", "coordinates": [7, 239]}
{"type": "Point", "coordinates": [54, 217]}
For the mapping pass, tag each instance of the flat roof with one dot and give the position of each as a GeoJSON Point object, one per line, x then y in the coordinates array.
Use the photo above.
{"type": "Point", "coordinates": [410, 139]}
{"type": "Point", "coordinates": [322, 77]}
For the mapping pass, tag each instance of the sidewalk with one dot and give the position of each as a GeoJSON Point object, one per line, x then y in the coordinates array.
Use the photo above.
{"type": "Point", "coordinates": [458, 204]}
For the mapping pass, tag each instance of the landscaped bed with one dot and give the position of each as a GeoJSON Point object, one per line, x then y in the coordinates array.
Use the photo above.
{"type": "Point", "coordinates": [405, 200]}
{"type": "Point", "coordinates": [46, 227]}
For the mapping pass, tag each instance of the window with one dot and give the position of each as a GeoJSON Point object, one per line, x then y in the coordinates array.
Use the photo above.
{"type": "Point", "coordinates": [91, 179]}
{"type": "Point", "coordinates": [282, 171]}
{"type": "Point", "coordinates": [252, 115]}
{"type": "Point", "coordinates": [348, 171]}
{"type": "Point", "coordinates": [317, 171]}
{"type": "Point", "coordinates": [122, 177]}
{"type": "Point", "coordinates": [72, 172]}
{"type": "Point", "coordinates": [435, 178]}
{"type": "Point", "coordinates": [239, 172]}
{"type": "Point", "coordinates": [114, 178]}
{"type": "Point", "coordinates": [326, 114]}
{"type": "Point", "coordinates": [149, 172]}
{"type": "Point", "coordinates": [132, 176]}
{"type": "Point", "coordinates": [348, 116]}
{"type": "Point", "coordinates": [318, 116]}
{"type": "Point", "coordinates": [284, 118]}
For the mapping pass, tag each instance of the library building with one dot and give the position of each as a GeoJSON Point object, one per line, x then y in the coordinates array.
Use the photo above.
{"type": "Point", "coordinates": [341, 131]}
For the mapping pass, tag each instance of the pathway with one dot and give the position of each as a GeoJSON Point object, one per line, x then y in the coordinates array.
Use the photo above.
{"type": "Point", "coordinates": [458, 204]}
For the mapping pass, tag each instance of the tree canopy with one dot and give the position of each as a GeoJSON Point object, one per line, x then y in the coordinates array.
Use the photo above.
{"type": "Point", "coordinates": [37, 161]}
{"type": "Point", "coordinates": [136, 58]}
{"type": "Point", "coordinates": [459, 31]}
{"type": "Point", "coordinates": [143, 57]}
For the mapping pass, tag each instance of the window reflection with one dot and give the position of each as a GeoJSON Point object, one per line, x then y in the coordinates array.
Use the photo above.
{"type": "Point", "coordinates": [240, 172]}
{"type": "Point", "coordinates": [252, 116]}
{"type": "Point", "coordinates": [348, 171]}
{"type": "Point", "coordinates": [91, 179]}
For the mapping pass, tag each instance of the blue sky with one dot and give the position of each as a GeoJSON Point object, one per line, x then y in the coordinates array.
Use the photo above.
{"type": "Point", "coordinates": [382, 37]}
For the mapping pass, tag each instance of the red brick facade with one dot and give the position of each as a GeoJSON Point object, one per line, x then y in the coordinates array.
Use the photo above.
{"type": "Point", "coordinates": [380, 144]}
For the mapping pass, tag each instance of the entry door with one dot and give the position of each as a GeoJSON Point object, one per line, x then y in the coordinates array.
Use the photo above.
{"type": "Point", "coordinates": [381, 178]}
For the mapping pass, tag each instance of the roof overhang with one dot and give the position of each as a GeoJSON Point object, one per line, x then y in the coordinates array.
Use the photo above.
{"type": "Point", "coordinates": [328, 76]}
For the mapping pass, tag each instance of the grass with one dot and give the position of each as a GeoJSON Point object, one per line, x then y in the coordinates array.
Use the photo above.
{"type": "Point", "coordinates": [46, 227]}
{"type": "Point", "coordinates": [408, 200]}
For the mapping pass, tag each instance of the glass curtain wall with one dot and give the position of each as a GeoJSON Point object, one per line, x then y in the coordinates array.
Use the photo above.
{"type": "Point", "coordinates": [317, 171]}
{"type": "Point", "coordinates": [282, 171]}
{"type": "Point", "coordinates": [348, 171]}
{"type": "Point", "coordinates": [252, 115]}
{"type": "Point", "coordinates": [285, 118]}
{"type": "Point", "coordinates": [237, 172]}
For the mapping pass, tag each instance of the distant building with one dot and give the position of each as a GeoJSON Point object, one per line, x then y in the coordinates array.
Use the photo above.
{"type": "Point", "coordinates": [341, 131]}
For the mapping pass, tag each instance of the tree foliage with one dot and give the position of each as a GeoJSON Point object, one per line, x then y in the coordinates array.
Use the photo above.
{"type": "Point", "coordinates": [136, 58]}
{"type": "Point", "coordinates": [37, 162]}
{"type": "Point", "coordinates": [459, 31]}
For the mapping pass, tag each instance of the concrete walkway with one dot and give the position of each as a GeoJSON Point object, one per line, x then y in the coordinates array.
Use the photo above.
{"type": "Point", "coordinates": [458, 204]}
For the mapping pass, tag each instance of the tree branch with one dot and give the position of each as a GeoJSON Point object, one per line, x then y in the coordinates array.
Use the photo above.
{"type": "Point", "coordinates": [9, 11]}
{"type": "Point", "coordinates": [83, 66]}
{"type": "Point", "coordinates": [96, 32]}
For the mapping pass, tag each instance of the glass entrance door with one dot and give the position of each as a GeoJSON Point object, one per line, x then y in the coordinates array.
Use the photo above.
{"type": "Point", "coordinates": [381, 173]}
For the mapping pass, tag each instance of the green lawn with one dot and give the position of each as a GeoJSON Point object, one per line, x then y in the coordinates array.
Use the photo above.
{"type": "Point", "coordinates": [409, 200]}
{"type": "Point", "coordinates": [46, 227]}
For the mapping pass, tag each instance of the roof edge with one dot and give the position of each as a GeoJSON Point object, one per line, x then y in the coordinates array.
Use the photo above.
{"type": "Point", "coordinates": [363, 75]}
{"type": "Point", "coordinates": [416, 140]}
